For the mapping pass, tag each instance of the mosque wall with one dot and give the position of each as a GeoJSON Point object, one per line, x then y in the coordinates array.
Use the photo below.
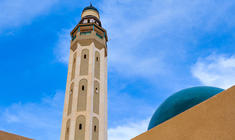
{"type": "Point", "coordinates": [213, 119]}
{"type": "Point", "coordinates": [9, 136]}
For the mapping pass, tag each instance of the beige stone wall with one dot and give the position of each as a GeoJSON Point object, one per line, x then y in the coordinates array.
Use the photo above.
{"type": "Point", "coordinates": [9, 136]}
{"type": "Point", "coordinates": [213, 119]}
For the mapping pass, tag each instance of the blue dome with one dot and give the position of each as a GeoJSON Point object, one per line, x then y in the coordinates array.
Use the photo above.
{"type": "Point", "coordinates": [181, 101]}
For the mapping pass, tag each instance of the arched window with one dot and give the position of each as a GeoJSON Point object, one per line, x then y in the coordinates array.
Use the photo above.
{"type": "Point", "coordinates": [74, 66]}
{"type": "Point", "coordinates": [82, 95]}
{"type": "Point", "coordinates": [67, 130]}
{"type": "Point", "coordinates": [95, 131]}
{"type": "Point", "coordinates": [97, 65]}
{"type": "Point", "coordinates": [84, 62]}
{"type": "Point", "coordinates": [70, 101]}
{"type": "Point", "coordinates": [96, 97]}
{"type": "Point", "coordinates": [80, 128]}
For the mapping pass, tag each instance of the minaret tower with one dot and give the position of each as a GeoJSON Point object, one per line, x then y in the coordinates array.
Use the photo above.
{"type": "Point", "coordinates": [85, 106]}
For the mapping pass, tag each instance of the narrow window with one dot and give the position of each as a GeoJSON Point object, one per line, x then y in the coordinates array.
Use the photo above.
{"type": "Point", "coordinates": [92, 20]}
{"type": "Point", "coordinates": [83, 87]}
{"type": "Point", "coordinates": [95, 128]}
{"type": "Point", "coordinates": [85, 21]}
{"type": "Point", "coordinates": [97, 59]}
{"type": "Point", "coordinates": [96, 90]}
{"type": "Point", "coordinates": [80, 126]}
{"type": "Point", "coordinates": [84, 56]}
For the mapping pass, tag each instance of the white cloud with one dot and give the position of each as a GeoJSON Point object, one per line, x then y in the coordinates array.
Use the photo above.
{"type": "Point", "coordinates": [45, 117]}
{"type": "Point", "coordinates": [215, 70]}
{"type": "Point", "coordinates": [128, 131]}
{"type": "Point", "coordinates": [63, 46]}
{"type": "Point", "coordinates": [17, 12]}
{"type": "Point", "coordinates": [143, 34]}
{"type": "Point", "coordinates": [41, 121]}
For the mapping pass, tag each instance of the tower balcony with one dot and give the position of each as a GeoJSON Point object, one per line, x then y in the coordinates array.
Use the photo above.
{"type": "Point", "coordinates": [86, 29]}
{"type": "Point", "coordinates": [86, 33]}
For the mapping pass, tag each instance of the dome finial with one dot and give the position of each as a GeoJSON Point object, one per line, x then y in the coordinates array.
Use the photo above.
{"type": "Point", "coordinates": [90, 7]}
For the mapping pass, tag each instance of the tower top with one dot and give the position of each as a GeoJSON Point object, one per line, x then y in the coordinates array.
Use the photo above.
{"type": "Point", "coordinates": [91, 11]}
{"type": "Point", "coordinates": [91, 7]}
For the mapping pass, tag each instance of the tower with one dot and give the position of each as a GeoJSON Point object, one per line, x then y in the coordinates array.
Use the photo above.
{"type": "Point", "coordinates": [85, 105]}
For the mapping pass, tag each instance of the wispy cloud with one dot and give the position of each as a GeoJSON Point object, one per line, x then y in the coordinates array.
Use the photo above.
{"type": "Point", "coordinates": [128, 131]}
{"type": "Point", "coordinates": [215, 70]}
{"type": "Point", "coordinates": [63, 46]}
{"type": "Point", "coordinates": [41, 121]}
{"type": "Point", "coordinates": [143, 34]}
{"type": "Point", "coordinates": [122, 106]}
{"type": "Point", "coordinates": [17, 12]}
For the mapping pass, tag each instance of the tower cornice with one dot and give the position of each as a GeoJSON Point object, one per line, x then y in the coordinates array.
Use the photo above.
{"type": "Point", "coordinates": [89, 27]}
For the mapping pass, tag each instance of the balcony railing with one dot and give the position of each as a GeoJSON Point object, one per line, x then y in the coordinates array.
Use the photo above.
{"type": "Point", "coordinates": [86, 29]}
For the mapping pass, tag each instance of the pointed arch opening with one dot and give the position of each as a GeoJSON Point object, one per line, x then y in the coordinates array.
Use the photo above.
{"type": "Point", "coordinates": [84, 62]}
{"type": "Point", "coordinates": [96, 97]}
{"type": "Point", "coordinates": [80, 128]}
{"type": "Point", "coordinates": [70, 101]}
{"type": "Point", "coordinates": [97, 65]}
{"type": "Point", "coordinates": [95, 131]}
{"type": "Point", "coordinates": [82, 95]}
{"type": "Point", "coordinates": [67, 131]}
{"type": "Point", "coordinates": [74, 66]}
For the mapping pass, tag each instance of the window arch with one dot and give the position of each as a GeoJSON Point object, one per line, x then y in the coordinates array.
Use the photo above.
{"type": "Point", "coordinates": [70, 101]}
{"type": "Point", "coordinates": [74, 66]}
{"type": "Point", "coordinates": [84, 62]}
{"type": "Point", "coordinates": [96, 97]}
{"type": "Point", "coordinates": [67, 131]}
{"type": "Point", "coordinates": [95, 130]}
{"type": "Point", "coordinates": [97, 65]}
{"type": "Point", "coordinates": [82, 95]}
{"type": "Point", "coordinates": [80, 128]}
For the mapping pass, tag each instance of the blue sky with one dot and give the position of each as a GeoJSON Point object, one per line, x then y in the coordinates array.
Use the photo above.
{"type": "Point", "coordinates": [155, 48]}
